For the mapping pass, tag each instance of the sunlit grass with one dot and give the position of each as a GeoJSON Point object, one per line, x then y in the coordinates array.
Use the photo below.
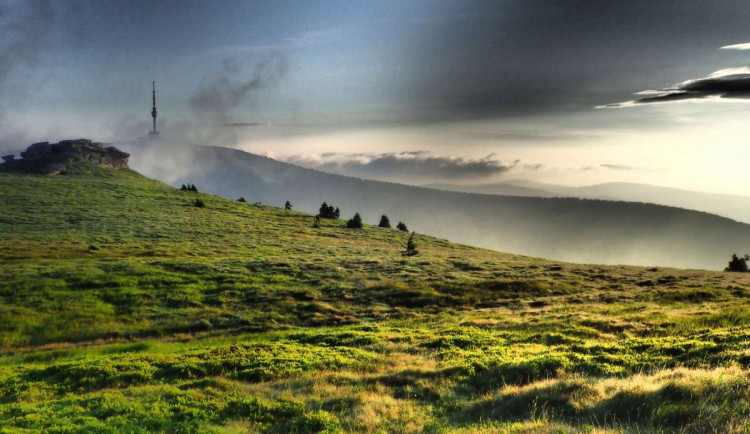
{"type": "Point", "coordinates": [123, 307]}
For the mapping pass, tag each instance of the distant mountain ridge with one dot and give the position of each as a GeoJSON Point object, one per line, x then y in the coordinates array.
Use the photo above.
{"type": "Point", "coordinates": [500, 189]}
{"type": "Point", "coordinates": [570, 229]}
{"type": "Point", "coordinates": [735, 207]}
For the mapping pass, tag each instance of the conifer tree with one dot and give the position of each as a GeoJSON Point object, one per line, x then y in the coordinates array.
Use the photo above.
{"type": "Point", "coordinates": [384, 222]}
{"type": "Point", "coordinates": [354, 222]}
{"type": "Point", "coordinates": [242, 199]}
{"type": "Point", "coordinates": [316, 222]}
{"type": "Point", "coordinates": [411, 246]}
{"type": "Point", "coordinates": [738, 263]}
{"type": "Point", "coordinates": [327, 212]}
{"type": "Point", "coordinates": [288, 206]}
{"type": "Point", "coordinates": [402, 227]}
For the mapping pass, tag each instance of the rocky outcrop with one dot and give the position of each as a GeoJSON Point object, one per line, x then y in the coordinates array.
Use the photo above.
{"type": "Point", "coordinates": [52, 158]}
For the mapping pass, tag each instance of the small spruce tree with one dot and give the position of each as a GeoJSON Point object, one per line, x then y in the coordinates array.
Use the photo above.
{"type": "Point", "coordinates": [242, 199]}
{"type": "Point", "coordinates": [199, 203]}
{"type": "Point", "coordinates": [384, 222]}
{"type": "Point", "coordinates": [738, 263]}
{"type": "Point", "coordinates": [402, 227]}
{"type": "Point", "coordinates": [316, 222]}
{"type": "Point", "coordinates": [327, 212]}
{"type": "Point", "coordinates": [411, 246]}
{"type": "Point", "coordinates": [323, 211]}
{"type": "Point", "coordinates": [354, 222]}
{"type": "Point", "coordinates": [288, 206]}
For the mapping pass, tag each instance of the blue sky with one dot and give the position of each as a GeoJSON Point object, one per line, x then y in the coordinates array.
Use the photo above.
{"type": "Point", "coordinates": [349, 86]}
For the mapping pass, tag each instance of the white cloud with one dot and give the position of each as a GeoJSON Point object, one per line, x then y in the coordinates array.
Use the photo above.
{"type": "Point", "coordinates": [726, 72]}
{"type": "Point", "coordinates": [745, 46]}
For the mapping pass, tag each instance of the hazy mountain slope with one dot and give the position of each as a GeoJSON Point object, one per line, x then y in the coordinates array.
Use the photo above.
{"type": "Point", "coordinates": [500, 188]}
{"type": "Point", "coordinates": [560, 228]}
{"type": "Point", "coordinates": [725, 205]}
{"type": "Point", "coordinates": [561, 189]}
{"type": "Point", "coordinates": [732, 206]}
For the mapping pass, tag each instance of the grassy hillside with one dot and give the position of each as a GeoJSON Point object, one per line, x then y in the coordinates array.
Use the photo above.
{"type": "Point", "coordinates": [571, 229]}
{"type": "Point", "coordinates": [125, 308]}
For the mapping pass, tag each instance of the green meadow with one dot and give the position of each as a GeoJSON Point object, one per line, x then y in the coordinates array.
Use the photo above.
{"type": "Point", "coordinates": [126, 308]}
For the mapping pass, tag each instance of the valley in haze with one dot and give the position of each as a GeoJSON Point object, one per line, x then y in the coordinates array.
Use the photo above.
{"type": "Point", "coordinates": [563, 228]}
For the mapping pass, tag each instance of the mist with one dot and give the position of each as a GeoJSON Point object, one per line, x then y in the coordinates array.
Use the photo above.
{"type": "Point", "coordinates": [218, 96]}
{"type": "Point", "coordinates": [27, 34]}
{"type": "Point", "coordinates": [735, 207]}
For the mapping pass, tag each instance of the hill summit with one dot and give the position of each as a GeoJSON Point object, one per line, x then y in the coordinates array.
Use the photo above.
{"type": "Point", "coordinates": [53, 158]}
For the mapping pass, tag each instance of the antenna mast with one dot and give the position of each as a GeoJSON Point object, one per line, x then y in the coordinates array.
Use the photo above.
{"type": "Point", "coordinates": [153, 134]}
{"type": "Point", "coordinates": [153, 109]}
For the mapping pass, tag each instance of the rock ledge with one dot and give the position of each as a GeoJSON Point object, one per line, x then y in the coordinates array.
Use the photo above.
{"type": "Point", "coordinates": [52, 158]}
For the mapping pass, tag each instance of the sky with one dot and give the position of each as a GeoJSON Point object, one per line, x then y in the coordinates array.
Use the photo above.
{"type": "Point", "coordinates": [569, 92]}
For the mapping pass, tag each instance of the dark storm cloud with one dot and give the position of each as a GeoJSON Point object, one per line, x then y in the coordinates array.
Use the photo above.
{"type": "Point", "coordinates": [517, 57]}
{"type": "Point", "coordinates": [24, 33]}
{"type": "Point", "coordinates": [217, 97]}
{"type": "Point", "coordinates": [412, 164]}
{"type": "Point", "coordinates": [728, 83]}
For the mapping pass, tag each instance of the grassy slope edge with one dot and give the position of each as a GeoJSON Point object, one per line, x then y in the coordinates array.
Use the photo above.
{"type": "Point", "coordinates": [123, 307]}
